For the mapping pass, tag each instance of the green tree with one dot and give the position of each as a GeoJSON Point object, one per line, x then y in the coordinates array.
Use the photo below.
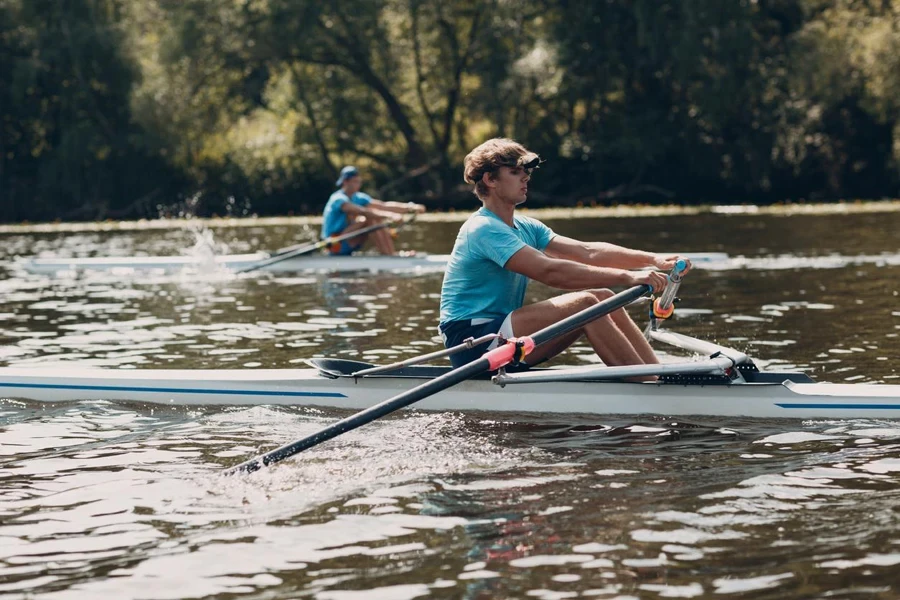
{"type": "Point", "coordinates": [397, 86]}
{"type": "Point", "coordinates": [71, 150]}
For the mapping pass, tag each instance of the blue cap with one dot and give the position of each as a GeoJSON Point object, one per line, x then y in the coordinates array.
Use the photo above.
{"type": "Point", "coordinates": [346, 173]}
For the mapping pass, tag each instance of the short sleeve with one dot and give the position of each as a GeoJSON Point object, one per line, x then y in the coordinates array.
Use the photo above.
{"type": "Point", "coordinates": [362, 199]}
{"type": "Point", "coordinates": [495, 241]}
{"type": "Point", "coordinates": [337, 200]}
{"type": "Point", "coordinates": [539, 233]}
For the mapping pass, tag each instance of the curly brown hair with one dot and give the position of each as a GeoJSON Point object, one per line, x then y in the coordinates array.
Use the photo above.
{"type": "Point", "coordinates": [490, 156]}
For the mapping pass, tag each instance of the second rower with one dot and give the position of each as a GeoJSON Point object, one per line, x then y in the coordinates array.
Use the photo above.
{"type": "Point", "coordinates": [349, 209]}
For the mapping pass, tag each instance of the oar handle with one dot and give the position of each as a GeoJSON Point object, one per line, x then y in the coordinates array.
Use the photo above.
{"type": "Point", "coordinates": [665, 304]}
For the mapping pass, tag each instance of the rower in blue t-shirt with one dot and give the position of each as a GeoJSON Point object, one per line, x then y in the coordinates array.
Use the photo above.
{"type": "Point", "coordinates": [348, 210]}
{"type": "Point", "coordinates": [496, 252]}
{"type": "Point", "coordinates": [475, 282]}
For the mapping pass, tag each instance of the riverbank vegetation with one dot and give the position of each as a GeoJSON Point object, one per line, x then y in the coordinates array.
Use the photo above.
{"type": "Point", "coordinates": [120, 109]}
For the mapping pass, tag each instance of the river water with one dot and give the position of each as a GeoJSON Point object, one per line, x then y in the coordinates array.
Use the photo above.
{"type": "Point", "coordinates": [123, 500]}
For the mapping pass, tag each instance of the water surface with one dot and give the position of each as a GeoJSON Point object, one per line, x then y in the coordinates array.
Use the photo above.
{"type": "Point", "coordinates": [123, 500]}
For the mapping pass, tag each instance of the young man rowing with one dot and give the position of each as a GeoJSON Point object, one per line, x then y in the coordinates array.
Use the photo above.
{"type": "Point", "coordinates": [497, 252]}
{"type": "Point", "coordinates": [349, 209]}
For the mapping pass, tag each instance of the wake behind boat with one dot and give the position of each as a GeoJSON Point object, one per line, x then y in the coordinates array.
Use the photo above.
{"type": "Point", "coordinates": [724, 382]}
{"type": "Point", "coordinates": [237, 262]}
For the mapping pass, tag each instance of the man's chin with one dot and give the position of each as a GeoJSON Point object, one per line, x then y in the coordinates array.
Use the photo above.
{"type": "Point", "coordinates": [521, 200]}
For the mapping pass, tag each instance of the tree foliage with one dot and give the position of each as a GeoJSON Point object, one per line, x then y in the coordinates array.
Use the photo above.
{"type": "Point", "coordinates": [68, 148]}
{"type": "Point", "coordinates": [112, 108]}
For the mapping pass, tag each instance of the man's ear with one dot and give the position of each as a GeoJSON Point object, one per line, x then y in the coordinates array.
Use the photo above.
{"type": "Point", "coordinates": [488, 180]}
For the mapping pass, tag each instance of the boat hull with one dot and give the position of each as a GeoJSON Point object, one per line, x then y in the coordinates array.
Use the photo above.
{"type": "Point", "coordinates": [309, 388]}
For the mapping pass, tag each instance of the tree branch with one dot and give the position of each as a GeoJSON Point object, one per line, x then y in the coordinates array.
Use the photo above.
{"type": "Point", "coordinates": [420, 75]}
{"type": "Point", "coordinates": [311, 115]}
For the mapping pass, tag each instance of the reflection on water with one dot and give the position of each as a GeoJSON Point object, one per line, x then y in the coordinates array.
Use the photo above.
{"type": "Point", "coordinates": [123, 500]}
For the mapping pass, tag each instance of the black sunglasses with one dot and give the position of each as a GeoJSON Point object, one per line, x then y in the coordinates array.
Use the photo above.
{"type": "Point", "coordinates": [528, 167]}
{"type": "Point", "coordinates": [531, 165]}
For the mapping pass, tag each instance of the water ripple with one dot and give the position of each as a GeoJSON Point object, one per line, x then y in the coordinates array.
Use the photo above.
{"type": "Point", "coordinates": [124, 500]}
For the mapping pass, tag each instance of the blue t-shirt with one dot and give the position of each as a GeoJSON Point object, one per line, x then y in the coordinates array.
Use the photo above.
{"type": "Point", "coordinates": [335, 220]}
{"type": "Point", "coordinates": [476, 286]}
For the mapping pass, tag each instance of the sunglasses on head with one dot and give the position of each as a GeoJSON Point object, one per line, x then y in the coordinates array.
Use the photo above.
{"type": "Point", "coordinates": [531, 165]}
{"type": "Point", "coordinates": [528, 167]}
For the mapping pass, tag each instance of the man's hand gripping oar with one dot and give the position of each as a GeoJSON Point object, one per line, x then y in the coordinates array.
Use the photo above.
{"type": "Point", "coordinates": [663, 306]}
{"type": "Point", "coordinates": [514, 349]}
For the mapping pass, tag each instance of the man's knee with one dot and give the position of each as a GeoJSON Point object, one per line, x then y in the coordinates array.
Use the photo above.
{"type": "Point", "coordinates": [586, 299]}
{"type": "Point", "coordinates": [601, 294]}
{"type": "Point", "coordinates": [593, 297]}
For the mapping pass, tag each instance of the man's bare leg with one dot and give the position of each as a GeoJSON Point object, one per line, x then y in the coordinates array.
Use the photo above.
{"type": "Point", "coordinates": [613, 345]}
{"type": "Point", "coordinates": [383, 241]}
{"type": "Point", "coordinates": [358, 240]}
{"type": "Point", "coordinates": [634, 334]}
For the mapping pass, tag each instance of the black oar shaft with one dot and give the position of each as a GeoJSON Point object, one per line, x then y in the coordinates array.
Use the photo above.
{"type": "Point", "coordinates": [485, 363]}
{"type": "Point", "coordinates": [366, 416]}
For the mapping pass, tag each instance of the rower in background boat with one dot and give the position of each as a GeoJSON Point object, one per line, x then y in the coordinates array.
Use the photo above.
{"type": "Point", "coordinates": [497, 252]}
{"type": "Point", "coordinates": [348, 209]}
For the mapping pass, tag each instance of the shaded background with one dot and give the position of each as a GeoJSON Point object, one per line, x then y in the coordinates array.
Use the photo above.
{"type": "Point", "coordinates": [118, 109]}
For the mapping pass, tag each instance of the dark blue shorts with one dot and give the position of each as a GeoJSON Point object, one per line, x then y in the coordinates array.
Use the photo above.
{"type": "Point", "coordinates": [456, 332]}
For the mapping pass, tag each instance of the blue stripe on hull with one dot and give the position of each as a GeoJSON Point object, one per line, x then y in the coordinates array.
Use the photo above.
{"type": "Point", "coordinates": [156, 390]}
{"type": "Point", "coordinates": [836, 406]}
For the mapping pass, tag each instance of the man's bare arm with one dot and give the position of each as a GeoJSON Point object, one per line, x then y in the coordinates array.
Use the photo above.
{"type": "Point", "coordinates": [401, 208]}
{"type": "Point", "coordinates": [604, 254]}
{"type": "Point", "coordinates": [571, 275]}
{"type": "Point", "coordinates": [354, 210]}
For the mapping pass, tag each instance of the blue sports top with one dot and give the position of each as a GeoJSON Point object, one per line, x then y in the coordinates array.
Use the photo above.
{"type": "Point", "coordinates": [335, 220]}
{"type": "Point", "coordinates": [476, 286]}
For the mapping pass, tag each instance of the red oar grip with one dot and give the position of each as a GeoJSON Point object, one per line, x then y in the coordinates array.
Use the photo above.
{"type": "Point", "coordinates": [513, 349]}
{"type": "Point", "coordinates": [661, 313]}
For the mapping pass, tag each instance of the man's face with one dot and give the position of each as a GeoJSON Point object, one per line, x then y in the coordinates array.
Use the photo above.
{"type": "Point", "coordinates": [511, 184]}
{"type": "Point", "coordinates": [352, 184]}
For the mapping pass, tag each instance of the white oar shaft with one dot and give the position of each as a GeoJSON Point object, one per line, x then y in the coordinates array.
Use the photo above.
{"type": "Point", "coordinates": [468, 344]}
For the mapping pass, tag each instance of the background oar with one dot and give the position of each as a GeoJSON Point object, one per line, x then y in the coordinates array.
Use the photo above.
{"type": "Point", "coordinates": [492, 360]}
{"type": "Point", "coordinates": [299, 251]}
